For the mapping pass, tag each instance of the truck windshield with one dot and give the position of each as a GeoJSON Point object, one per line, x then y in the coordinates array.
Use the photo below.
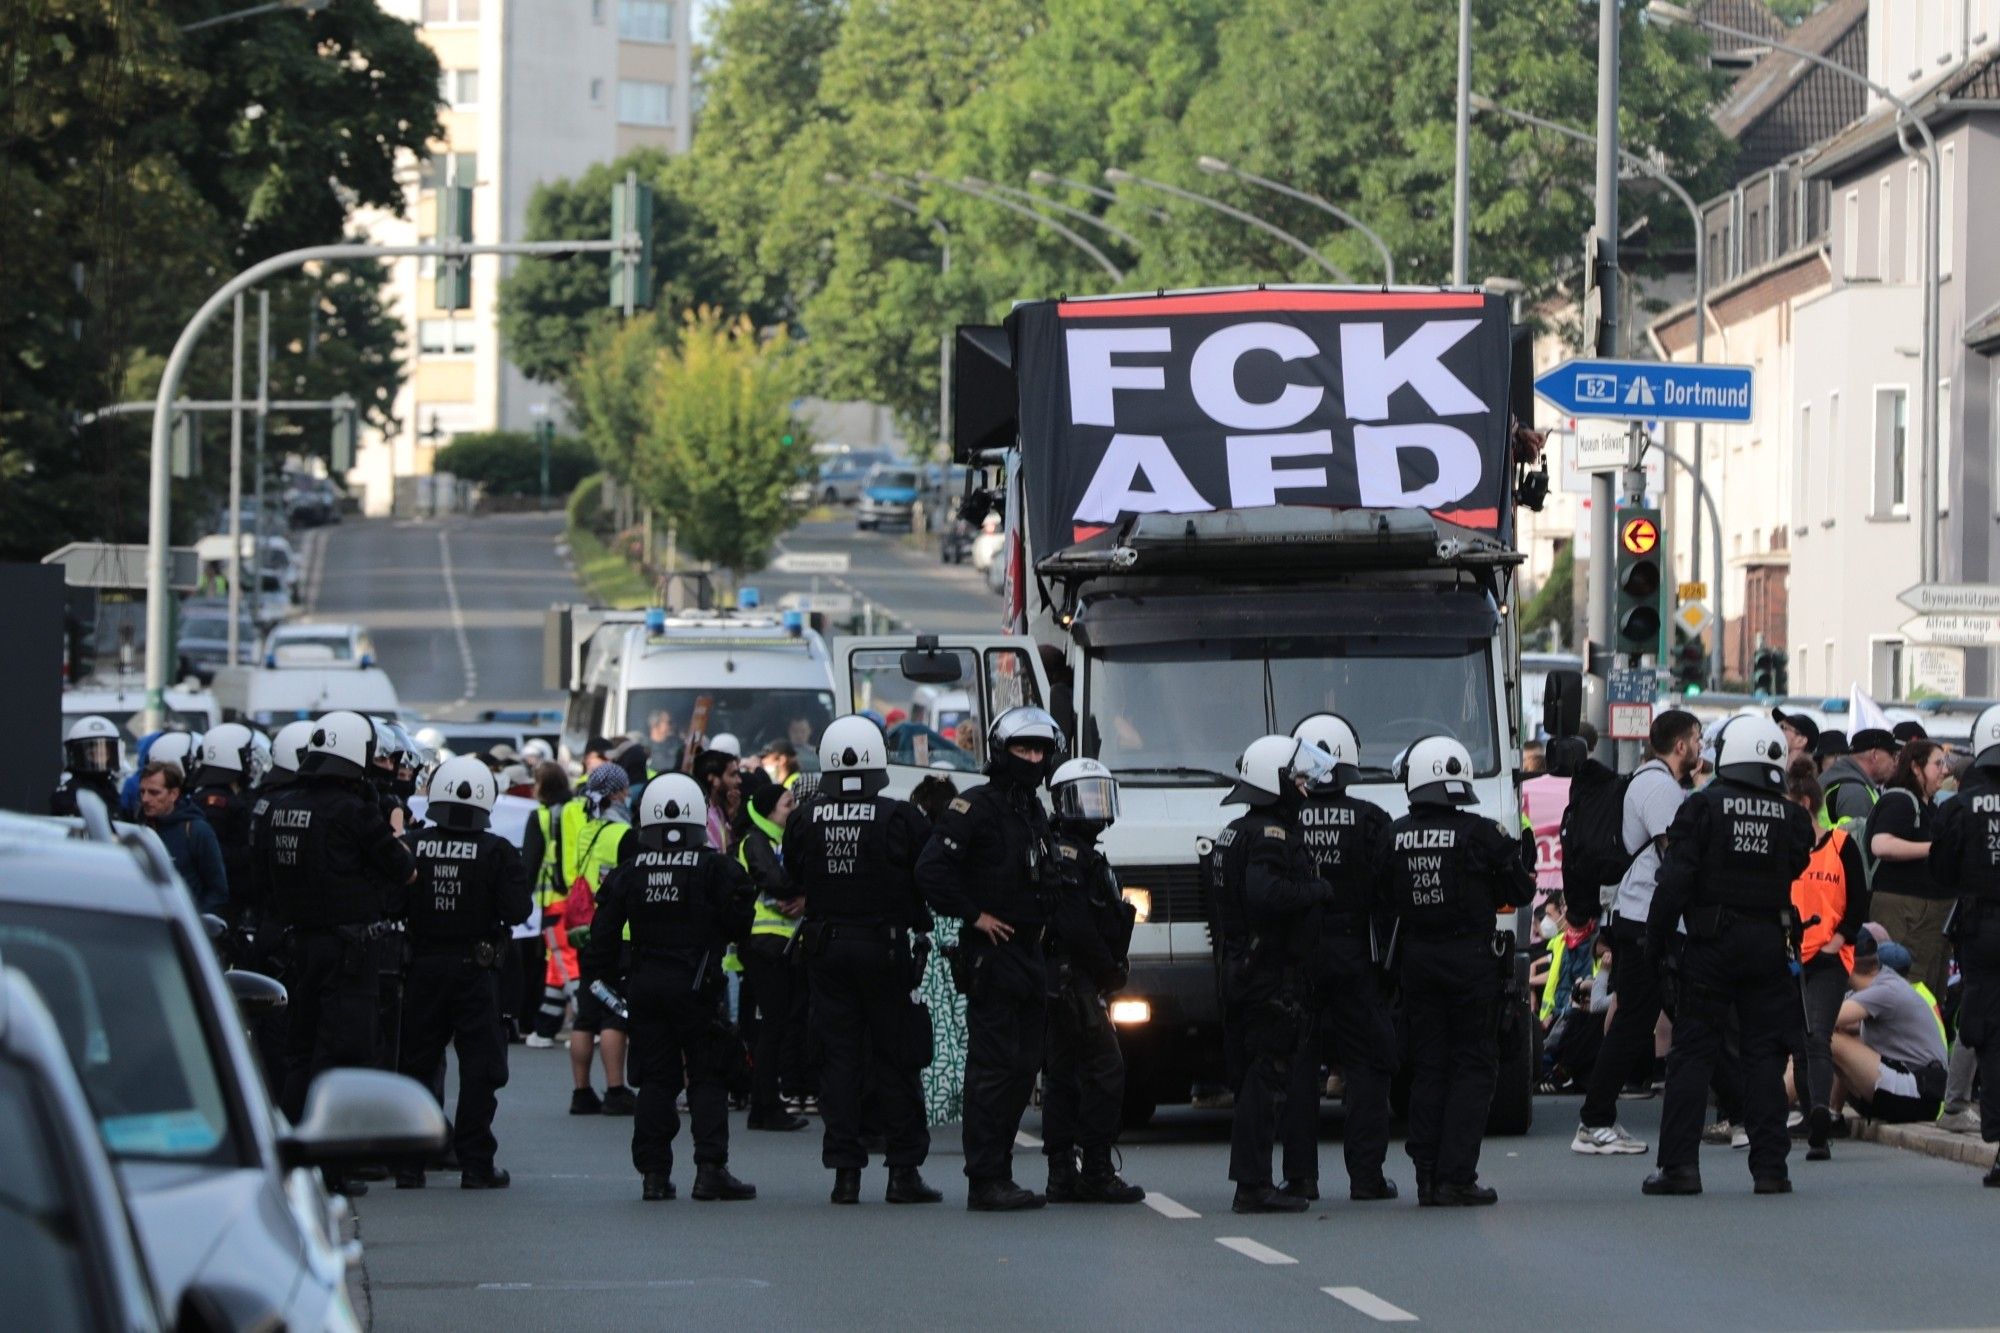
{"type": "Point", "coordinates": [754, 717]}
{"type": "Point", "coordinates": [1184, 711]}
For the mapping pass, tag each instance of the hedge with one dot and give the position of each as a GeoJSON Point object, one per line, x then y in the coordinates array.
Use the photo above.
{"type": "Point", "coordinates": [509, 462]}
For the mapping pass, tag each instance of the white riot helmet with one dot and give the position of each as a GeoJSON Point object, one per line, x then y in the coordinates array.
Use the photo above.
{"type": "Point", "coordinates": [726, 742]}
{"type": "Point", "coordinates": [429, 739]}
{"type": "Point", "coordinates": [391, 741]}
{"type": "Point", "coordinates": [534, 753]}
{"type": "Point", "coordinates": [1085, 795]}
{"type": "Point", "coordinates": [94, 745]}
{"type": "Point", "coordinates": [229, 754]}
{"type": "Point", "coordinates": [1331, 733]}
{"type": "Point", "coordinates": [1020, 724]}
{"type": "Point", "coordinates": [1437, 770]}
{"type": "Point", "coordinates": [673, 810]}
{"type": "Point", "coordinates": [179, 748]}
{"type": "Point", "coordinates": [462, 794]}
{"type": "Point", "coordinates": [853, 757]}
{"type": "Point", "coordinates": [1985, 742]}
{"type": "Point", "coordinates": [342, 745]}
{"type": "Point", "coordinates": [288, 747]}
{"type": "Point", "coordinates": [1268, 765]}
{"type": "Point", "coordinates": [1751, 749]}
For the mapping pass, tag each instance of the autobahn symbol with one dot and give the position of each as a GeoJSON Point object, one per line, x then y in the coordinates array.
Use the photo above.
{"type": "Point", "coordinates": [1640, 536]}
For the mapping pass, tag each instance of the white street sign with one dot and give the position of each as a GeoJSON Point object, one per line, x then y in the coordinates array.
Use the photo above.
{"type": "Point", "coordinates": [1631, 722]}
{"type": "Point", "coordinates": [1938, 671]}
{"type": "Point", "coordinates": [1945, 598]}
{"type": "Point", "coordinates": [1693, 617]}
{"type": "Point", "coordinates": [826, 603]}
{"type": "Point", "coordinates": [98, 565]}
{"type": "Point", "coordinates": [1602, 446]}
{"type": "Point", "coordinates": [811, 562]}
{"type": "Point", "coordinates": [1967, 631]}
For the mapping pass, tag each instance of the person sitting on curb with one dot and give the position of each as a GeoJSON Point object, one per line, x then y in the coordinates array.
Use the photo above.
{"type": "Point", "coordinates": [1888, 1051]}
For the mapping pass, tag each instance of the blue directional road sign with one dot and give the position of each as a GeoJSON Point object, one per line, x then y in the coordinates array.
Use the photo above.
{"type": "Point", "coordinates": [1649, 391]}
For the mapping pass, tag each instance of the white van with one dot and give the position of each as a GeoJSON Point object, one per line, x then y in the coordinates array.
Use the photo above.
{"type": "Point", "coordinates": [269, 697]}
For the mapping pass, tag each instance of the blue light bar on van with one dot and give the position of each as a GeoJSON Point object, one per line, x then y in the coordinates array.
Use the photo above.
{"type": "Point", "coordinates": [656, 619]}
{"type": "Point", "coordinates": [795, 622]}
{"type": "Point", "coordinates": [747, 599]}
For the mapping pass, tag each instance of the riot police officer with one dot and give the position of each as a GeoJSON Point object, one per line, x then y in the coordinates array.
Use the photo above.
{"type": "Point", "coordinates": [93, 752]}
{"type": "Point", "coordinates": [852, 853]}
{"type": "Point", "coordinates": [1444, 873]}
{"type": "Point", "coordinates": [1266, 893]}
{"type": "Point", "coordinates": [1965, 854]}
{"type": "Point", "coordinates": [989, 863]}
{"type": "Point", "coordinates": [471, 890]}
{"type": "Point", "coordinates": [231, 764]}
{"type": "Point", "coordinates": [684, 904]}
{"type": "Point", "coordinates": [1090, 938]}
{"type": "Point", "coordinates": [1732, 853]}
{"type": "Point", "coordinates": [1341, 833]}
{"type": "Point", "coordinates": [335, 871]}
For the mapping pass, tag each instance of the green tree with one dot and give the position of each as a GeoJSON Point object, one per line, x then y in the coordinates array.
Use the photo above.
{"type": "Point", "coordinates": [612, 391]}
{"type": "Point", "coordinates": [717, 462]}
{"type": "Point", "coordinates": [509, 462]}
{"type": "Point", "coordinates": [1554, 601]}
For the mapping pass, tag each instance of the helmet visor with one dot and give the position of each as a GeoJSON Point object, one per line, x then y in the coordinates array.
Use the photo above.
{"type": "Point", "coordinates": [1313, 764]}
{"type": "Point", "coordinates": [1091, 799]}
{"type": "Point", "coordinates": [92, 754]}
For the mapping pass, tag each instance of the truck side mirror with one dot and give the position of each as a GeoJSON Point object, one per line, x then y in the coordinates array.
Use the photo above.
{"type": "Point", "coordinates": [927, 664]}
{"type": "Point", "coordinates": [1562, 704]}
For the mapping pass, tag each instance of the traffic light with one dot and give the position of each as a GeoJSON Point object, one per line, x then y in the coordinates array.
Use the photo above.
{"type": "Point", "coordinates": [1770, 672]}
{"type": "Point", "coordinates": [632, 211]}
{"type": "Point", "coordinates": [454, 276]}
{"type": "Point", "coordinates": [1636, 626]}
{"type": "Point", "coordinates": [1690, 667]}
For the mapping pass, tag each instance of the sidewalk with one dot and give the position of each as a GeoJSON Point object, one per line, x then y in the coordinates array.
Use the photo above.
{"type": "Point", "coordinates": [1967, 1149]}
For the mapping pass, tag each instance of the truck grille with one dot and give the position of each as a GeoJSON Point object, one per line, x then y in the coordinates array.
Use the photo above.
{"type": "Point", "coordinates": [1178, 893]}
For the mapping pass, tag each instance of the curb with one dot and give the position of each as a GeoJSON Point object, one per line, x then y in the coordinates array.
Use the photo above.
{"type": "Point", "coordinates": [1965, 1149]}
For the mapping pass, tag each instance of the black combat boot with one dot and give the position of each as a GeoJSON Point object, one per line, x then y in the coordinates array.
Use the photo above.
{"type": "Point", "coordinates": [490, 1178]}
{"type": "Point", "coordinates": [1265, 1199]}
{"type": "Point", "coordinates": [1426, 1189]}
{"type": "Point", "coordinates": [1992, 1179]}
{"type": "Point", "coordinates": [1772, 1185]}
{"type": "Point", "coordinates": [1000, 1196]}
{"type": "Point", "coordinates": [407, 1179]}
{"type": "Point", "coordinates": [1305, 1187]}
{"type": "Point", "coordinates": [846, 1184]}
{"type": "Point", "coordinates": [1372, 1191]}
{"type": "Point", "coordinates": [1100, 1184]}
{"type": "Point", "coordinates": [657, 1186]}
{"type": "Point", "coordinates": [1474, 1195]}
{"type": "Point", "coordinates": [713, 1181]}
{"type": "Point", "coordinates": [1674, 1180]}
{"type": "Point", "coordinates": [907, 1185]}
{"type": "Point", "coordinates": [1062, 1178]}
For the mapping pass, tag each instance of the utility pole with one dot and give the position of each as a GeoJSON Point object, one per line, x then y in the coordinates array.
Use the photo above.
{"type": "Point", "coordinates": [235, 485]}
{"type": "Point", "coordinates": [263, 414]}
{"type": "Point", "coordinates": [1604, 260]}
{"type": "Point", "coordinates": [1461, 194]}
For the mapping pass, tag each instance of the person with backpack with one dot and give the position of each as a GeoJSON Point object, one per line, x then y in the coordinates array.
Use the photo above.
{"type": "Point", "coordinates": [588, 856]}
{"type": "Point", "coordinates": [1647, 802]}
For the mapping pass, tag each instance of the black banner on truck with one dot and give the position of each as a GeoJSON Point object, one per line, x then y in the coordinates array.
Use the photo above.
{"type": "Point", "coordinates": [1186, 404]}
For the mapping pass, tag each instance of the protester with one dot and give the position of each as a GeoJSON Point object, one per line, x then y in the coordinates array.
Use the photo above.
{"type": "Point", "coordinates": [1889, 1045]}
{"type": "Point", "coordinates": [1853, 783]}
{"type": "Point", "coordinates": [189, 839]}
{"type": "Point", "coordinates": [1908, 901]}
{"type": "Point", "coordinates": [1831, 899]}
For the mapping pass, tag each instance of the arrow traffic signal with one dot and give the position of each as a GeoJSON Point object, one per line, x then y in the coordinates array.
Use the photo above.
{"type": "Point", "coordinates": [1639, 581]}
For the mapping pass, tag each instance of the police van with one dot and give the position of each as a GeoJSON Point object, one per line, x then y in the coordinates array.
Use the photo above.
{"type": "Point", "coordinates": [756, 676]}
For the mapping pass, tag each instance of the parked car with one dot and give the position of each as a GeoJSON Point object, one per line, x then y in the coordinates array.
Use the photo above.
{"type": "Point", "coordinates": [223, 1191]}
{"type": "Point", "coordinates": [889, 496]}
{"type": "Point", "coordinates": [345, 645]}
{"type": "Point", "coordinates": [201, 641]}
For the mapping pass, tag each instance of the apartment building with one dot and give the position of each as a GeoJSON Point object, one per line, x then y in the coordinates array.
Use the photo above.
{"type": "Point", "coordinates": [531, 91]}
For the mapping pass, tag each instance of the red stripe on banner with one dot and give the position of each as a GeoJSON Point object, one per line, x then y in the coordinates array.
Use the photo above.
{"type": "Point", "coordinates": [1469, 518]}
{"type": "Point", "coordinates": [1228, 303]}
{"type": "Point", "coordinates": [1083, 532]}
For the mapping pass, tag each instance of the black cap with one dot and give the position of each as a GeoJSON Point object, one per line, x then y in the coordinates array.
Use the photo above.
{"type": "Point", "coordinates": [1872, 738]}
{"type": "Point", "coordinates": [1800, 723]}
{"type": "Point", "coordinates": [1910, 731]}
{"type": "Point", "coordinates": [783, 748]}
{"type": "Point", "coordinates": [1832, 744]}
{"type": "Point", "coordinates": [600, 745]}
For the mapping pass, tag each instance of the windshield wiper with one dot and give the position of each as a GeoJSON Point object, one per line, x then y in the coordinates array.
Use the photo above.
{"type": "Point", "coordinates": [1175, 771]}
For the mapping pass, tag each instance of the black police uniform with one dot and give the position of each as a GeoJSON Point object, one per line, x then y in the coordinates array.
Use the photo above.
{"type": "Point", "coordinates": [63, 800]}
{"type": "Point", "coordinates": [684, 904]}
{"type": "Point", "coordinates": [471, 889]}
{"type": "Point", "coordinates": [227, 809]}
{"type": "Point", "coordinates": [853, 858]}
{"type": "Point", "coordinates": [1444, 872]}
{"type": "Point", "coordinates": [259, 941]}
{"type": "Point", "coordinates": [1266, 893]}
{"type": "Point", "coordinates": [1965, 855]}
{"type": "Point", "coordinates": [333, 868]}
{"type": "Point", "coordinates": [991, 852]}
{"type": "Point", "coordinates": [1732, 853]}
{"type": "Point", "coordinates": [1342, 834]}
{"type": "Point", "coordinates": [1083, 1087]}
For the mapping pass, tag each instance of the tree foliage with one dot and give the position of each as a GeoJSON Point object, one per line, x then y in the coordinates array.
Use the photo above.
{"type": "Point", "coordinates": [509, 462]}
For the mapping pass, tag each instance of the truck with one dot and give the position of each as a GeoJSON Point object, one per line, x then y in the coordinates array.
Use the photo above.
{"type": "Point", "coordinates": [1227, 509]}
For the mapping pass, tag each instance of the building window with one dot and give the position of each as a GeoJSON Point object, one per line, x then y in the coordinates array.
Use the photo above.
{"type": "Point", "coordinates": [1827, 649]}
{"type": "Point", "coordinates": [448, 169]}
{"type": "Point", "coordinates": [1892, 453]}
{"type": "Point", "coordinates": [597, 11]}
{"type": "Point", "coordinates": [1913, 215]}
{"type": "Point", "coordinates": [459, 88]}
{"type": "Point", "coordinates": [1947, 193]}
{"type": "Point", "coordinates": [644, 103]}
{"type": "Point", "coordinates": [1850, 237]}
{"type": "Point", "coordinates": [646, 20]}
{"type": "Point", "coordinates": [451, 11]}
{"type": "Point", "coordinates": [1803, 471]}
{"type": "Point", "coordinates": [1884, 228]}
{"type": "Point", "coordinates": [1834, 448]}
{"type": "Point", "coordinates": [447, 337]}
{"type": "Point", "coordinates": [597, 92]}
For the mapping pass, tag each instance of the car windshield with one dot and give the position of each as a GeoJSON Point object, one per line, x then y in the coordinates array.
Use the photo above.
{"type": "Point", "coordinates": [340, 645]}
{"type": "Point", "coordinates": [1184, 711]}
{"type": "Point", "coordinates": [125, 1002]}
{"type": "Point", "coordinates": [43, 1267]}
{"type": "Point", "coordinates": [754, 717]}
{"type": "Point", "coordinates": [906, 481]}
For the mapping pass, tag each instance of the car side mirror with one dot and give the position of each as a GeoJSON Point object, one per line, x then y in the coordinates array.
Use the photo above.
{"type": "Point", "coordinates": [1562, 704]}
{"type": "Point", "coordinates": [927, 664]}
{"type": "Point", "coordinates": [256, 993]}
{"type": "Point", "coordinates": [356, 1115]}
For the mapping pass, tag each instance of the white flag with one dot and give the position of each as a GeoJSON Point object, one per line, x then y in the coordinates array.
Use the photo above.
{"type": "Point", "coordinates": [1863, 712]}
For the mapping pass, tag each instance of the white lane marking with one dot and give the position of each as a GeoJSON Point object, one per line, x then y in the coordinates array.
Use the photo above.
{"type": "Point", "coordinates": [470, 668]}
{"type": "Point", "coordinates": [1023, 1139]}
{"type": "Point", "coordinates": [1371, 1305]}
{"type": "Point", "coordinates": [1263, 1254]}
{"type": "Point", "coordinates": [1166, 1207]}
{"type": "Point", "coordinates": [315, 558]}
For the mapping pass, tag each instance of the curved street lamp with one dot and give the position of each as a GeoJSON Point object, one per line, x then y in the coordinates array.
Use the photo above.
{"type": "Point", "coordinates": [1119, 176]}
{"type": "Point", "coordinates": [1047, 178]}
{"type": "Point", "coordinates": [1042, 201]}
{"type": "Point", "coordinates": [1115, 273]}
{"type": "Point", "coordinates": [1222, 168]}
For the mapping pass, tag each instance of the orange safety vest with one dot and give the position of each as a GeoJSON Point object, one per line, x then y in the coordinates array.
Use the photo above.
{"type": "Point", "coordinates": [1821, 891]}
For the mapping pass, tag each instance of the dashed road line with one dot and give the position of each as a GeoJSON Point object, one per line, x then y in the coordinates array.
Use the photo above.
{"type": "Point", "coordinates": [469, 667]}
{"type": "Point", "coordinates": [1368, 1303]}
{"type": "Point", "coordinates": [1166, 1207]}
{"type": "Point", "coordinates": [1251, 1249]}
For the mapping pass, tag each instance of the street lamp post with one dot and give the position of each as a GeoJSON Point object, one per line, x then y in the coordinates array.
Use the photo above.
{"type": "Point", "coordinates": [1097, 256]}
{"type": "Point", "coordinates": [1927, 479]}
{"type": "Point", "coordinates": [1119, 176]}
{"type": "Point", "coordinates": [944, 269]}
{"type": "Point", "coordinates": [1046, 179]}
{"type": "Point", "coordinates": [303, 6]}
{"type": "Point", "coordinates": [1461, 180]}
{"type": "Point", "coordinates": [1034, 200]}
{"type": "Point", "coordinates": [1222, 168]}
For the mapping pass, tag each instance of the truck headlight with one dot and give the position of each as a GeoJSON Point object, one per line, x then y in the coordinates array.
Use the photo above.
{"type": "Point", "coordinates": [1142, 904]}
{"type": "Point", "coordinates": [1130, 1013]}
